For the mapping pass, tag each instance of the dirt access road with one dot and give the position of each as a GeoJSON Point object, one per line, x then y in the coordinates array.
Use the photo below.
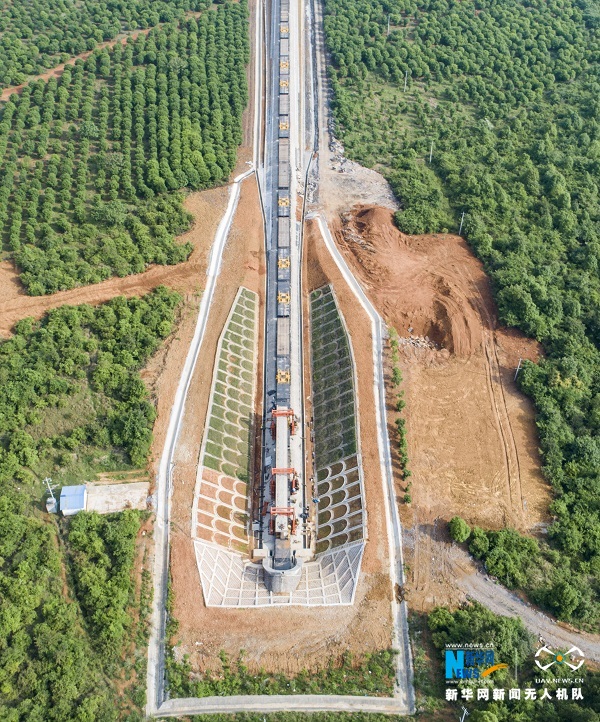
{"type": "Point", "coordinates": [479, 587]}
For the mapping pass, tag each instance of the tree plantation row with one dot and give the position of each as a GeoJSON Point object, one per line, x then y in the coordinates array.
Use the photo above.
{"type": "Point", "coordinates": [506, 98]}
{"type": "Point", "coordinates": [38, 34]}
{"type": "Point", "coordinates": [92, 169]}
{"type": "Point", "coordinates": [91, 163]}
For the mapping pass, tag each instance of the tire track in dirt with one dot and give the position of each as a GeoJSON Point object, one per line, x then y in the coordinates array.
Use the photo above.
{"type": "Point", "coordinates": [422, 561]}
{"type": "Point", "coordinates": [496, 389]}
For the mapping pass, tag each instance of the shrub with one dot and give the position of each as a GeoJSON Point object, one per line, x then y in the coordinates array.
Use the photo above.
{"type": "Point", "coordinates": [459, 529]}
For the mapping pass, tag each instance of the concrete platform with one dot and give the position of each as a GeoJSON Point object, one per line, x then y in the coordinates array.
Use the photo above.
{"type": "Point", "coordinates": [229, 581]}
{"type": "Point", "coordinates": [109, 498]}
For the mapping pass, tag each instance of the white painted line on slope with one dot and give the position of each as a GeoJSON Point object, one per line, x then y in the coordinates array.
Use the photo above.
{"type": "Point", "coordinates": [257, 84]}
{"type": "Point", "coordinates": [404, 677]}
{"type": "Point", "coordinates": [156, 644]}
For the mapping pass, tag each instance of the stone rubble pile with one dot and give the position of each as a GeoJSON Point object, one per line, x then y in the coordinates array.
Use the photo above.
{"type": "Point", "coordinates": [417, 342]}
{"type": "Point", "coordinates": [339, 162]}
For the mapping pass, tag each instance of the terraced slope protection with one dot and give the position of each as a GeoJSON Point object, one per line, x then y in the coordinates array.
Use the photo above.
{"type": "Point", "coordinates": [219, 525]}
{"type": "Point", "coordinates": [221, 493]}
{"type": "Point", "coordinates": [341, 510]}
{"type": "Point", "coordinates": [90, 164]}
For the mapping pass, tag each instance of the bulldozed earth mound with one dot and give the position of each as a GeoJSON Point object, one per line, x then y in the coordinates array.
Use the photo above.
{"type": "Point", "coordinates": [415, 281]}
{"type": "Point", "coordinates": [472, 442]}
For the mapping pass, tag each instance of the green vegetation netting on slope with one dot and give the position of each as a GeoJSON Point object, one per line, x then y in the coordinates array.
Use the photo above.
{"type": "Point", "coordinates": [338, 465]}
{"type": "Point", "coordinates": [509, 94]}
{"type": "Point", "coordinates": [38, 34]}
{"type": "Point", "coordinates": [90, 164]}
{"type": "Point", "coordinates": [228, 443]}
{"type": "Point", "coordinates": [332, 381]}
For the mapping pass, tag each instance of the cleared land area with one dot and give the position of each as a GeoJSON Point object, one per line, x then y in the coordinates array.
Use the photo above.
{"type": "Point", "coordinates": [471, 435]}
{"type": "Point", "coordinates": [107, 498]}
{"type": "Point", "coordinates": [310, 639]}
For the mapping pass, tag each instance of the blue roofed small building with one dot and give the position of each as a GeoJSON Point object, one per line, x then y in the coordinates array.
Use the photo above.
{"type": "Point", "coordinates": [73, 499]}
{"type": "Point", "coordinates": [105, 498]}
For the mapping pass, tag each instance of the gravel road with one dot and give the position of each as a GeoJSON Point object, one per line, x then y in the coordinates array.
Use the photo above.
{"type": "Point", "coordinates": [501, 601]}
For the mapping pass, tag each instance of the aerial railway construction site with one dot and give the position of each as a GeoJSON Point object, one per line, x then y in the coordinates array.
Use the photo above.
{"type": "Point", "coordinates": [297, 548]}
{"type": "Point", "coordinates": [288, 510]}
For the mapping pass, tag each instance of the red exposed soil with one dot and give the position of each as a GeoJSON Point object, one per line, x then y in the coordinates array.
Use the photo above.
{"type": "Point", "coordinates": [207, 208]}
{"type": "Point", "coordinates": [430, 284]}
{"type": "Point", "coordinates": [472, 441]}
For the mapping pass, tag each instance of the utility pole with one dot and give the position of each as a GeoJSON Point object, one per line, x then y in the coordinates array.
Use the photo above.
{"type": "Point", "coordinates": [518, 369]}
{"type": "Point", "coordinates": [516, 678]}
{"type": "Point", "coordinates": [405, 79]}
{"type": "Point", "coordinates": [51, 505]}
{"type": "Point", "coordinates": [462, 218]}
{"type": "Point", "coordinates": [388, 32]}
{"type": "Point", "coordinates": [464, 714]}
{"type": "Point", "coordinates": [431, 152]}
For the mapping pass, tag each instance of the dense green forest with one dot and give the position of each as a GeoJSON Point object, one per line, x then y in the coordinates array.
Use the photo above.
{"type": "Point", "coordinates": [91, 163]}
{"type": "Point", "coordinates": [38, 34]}
{"type": "Point", "coordinates": [48, 670]}
{"type": "Point", "coordinates": [102, 551]}
{"type": "Point", "coordinates": [72, 403]}
{"type": "Point", "coordinates": [508, 93]}
{"type": "Point", "coordinates": [512, 645]}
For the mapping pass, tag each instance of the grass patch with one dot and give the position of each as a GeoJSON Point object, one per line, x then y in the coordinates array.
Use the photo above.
{"type": "Point", "coordinates": [371, 675]}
